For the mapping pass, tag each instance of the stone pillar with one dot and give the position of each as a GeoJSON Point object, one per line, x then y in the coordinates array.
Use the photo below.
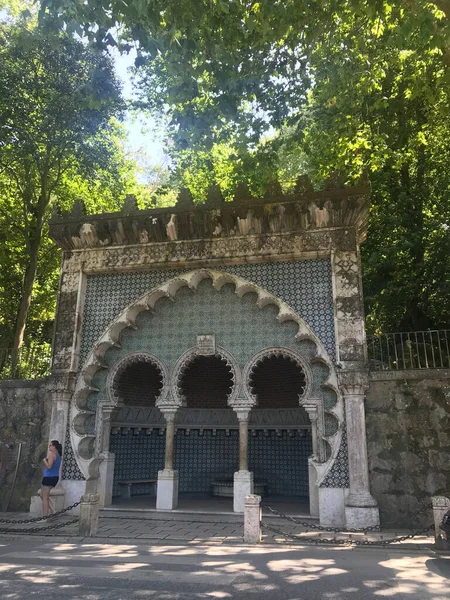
{"type": "Point", "coordinates": [167, 490]}
{"type": "Point", "coordinates": [361, 508]}
{"type": "Point", "coordinates": [441, 505]}
{"type": "Point", "coordinates": [60, 415]}
{"type": "Point", "coordinates": [243, 479]}
{"type": "Point", "coordinates": [314, 409]}
{"type": "Point", "coordinates": [252, 519]}
{"type": "Point", "coordinates": [106, 468]}
{"type": "Point", "coordinates": [89, 508]}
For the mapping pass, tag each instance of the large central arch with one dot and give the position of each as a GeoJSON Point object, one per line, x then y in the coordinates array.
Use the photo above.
{"type": "Point", "coordinates": [89, 441]}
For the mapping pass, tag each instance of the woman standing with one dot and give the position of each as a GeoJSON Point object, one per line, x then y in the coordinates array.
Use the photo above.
{"type": "Point", "coordinates": [51, 475]}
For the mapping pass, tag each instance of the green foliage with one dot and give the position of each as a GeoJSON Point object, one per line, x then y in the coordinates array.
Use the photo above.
{"type": "Point", "coordinates": [59, 140]}
{"type": "Point", "coordinates": [338, 84]}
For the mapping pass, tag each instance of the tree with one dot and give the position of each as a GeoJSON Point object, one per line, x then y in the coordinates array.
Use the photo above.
{"type": "Point", "coordinates": [57, 99]}
{"type": "Point", "coordinates": [340, 84]}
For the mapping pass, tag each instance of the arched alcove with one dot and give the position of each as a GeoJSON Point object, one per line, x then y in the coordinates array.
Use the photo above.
{"type": "Point", "coordinates": [139, 384]}
{"type": "Point", "coordinates": [277, 381]}
{"type": "Point", "coordinates": [206, 382]}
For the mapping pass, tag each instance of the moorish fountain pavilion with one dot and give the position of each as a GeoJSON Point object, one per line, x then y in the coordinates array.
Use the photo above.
{"type": "Point", "coordinates": [209, 349]}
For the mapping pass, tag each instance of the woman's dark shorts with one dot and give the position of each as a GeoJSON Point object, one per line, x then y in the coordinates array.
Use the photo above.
{"type": "Point", "coordinates": [50, 481]}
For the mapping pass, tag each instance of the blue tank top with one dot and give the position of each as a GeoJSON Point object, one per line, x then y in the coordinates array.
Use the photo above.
{"type": "Point", "coordinates": [54, 471]}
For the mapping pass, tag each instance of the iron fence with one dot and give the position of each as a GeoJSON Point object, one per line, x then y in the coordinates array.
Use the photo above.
{"type": "Point", "coordinates": [33, 362]}
{"type": "Point", "coordinates": [409, 350]}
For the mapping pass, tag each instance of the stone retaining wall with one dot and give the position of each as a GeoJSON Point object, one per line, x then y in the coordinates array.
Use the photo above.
{"type": "Point", "coordinates": [25, 411]}
{"type": "Point", "coordinates": [408, 437]}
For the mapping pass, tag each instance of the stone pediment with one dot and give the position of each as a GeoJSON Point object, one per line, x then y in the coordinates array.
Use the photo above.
{"type": "Point", "coordinates": [198, 418]}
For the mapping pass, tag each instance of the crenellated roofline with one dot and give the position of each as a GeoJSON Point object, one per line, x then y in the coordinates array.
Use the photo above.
{"type": "Point", "coordinates": [302, 210]}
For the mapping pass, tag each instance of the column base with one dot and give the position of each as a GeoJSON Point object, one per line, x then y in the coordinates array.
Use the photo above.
{"type": "Point", "coordinates": [105, 487]}
{"type": "Point", "coordinates": [243, 486]}
{"type": "Point", "coordinates": [359, 517]}
{"type": "Point", "coordinates": [167, 490]}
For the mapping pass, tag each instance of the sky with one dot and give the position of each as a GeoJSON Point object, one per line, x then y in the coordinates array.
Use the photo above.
{"type": "Point", "coordinates": [142, 137]}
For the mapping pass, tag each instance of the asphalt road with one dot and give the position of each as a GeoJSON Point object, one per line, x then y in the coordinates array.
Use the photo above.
{"type": "Point", "coordinates": [61, 569]}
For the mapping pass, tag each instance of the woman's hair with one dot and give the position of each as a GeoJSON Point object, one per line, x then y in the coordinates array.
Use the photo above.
{"type": "Point", "coordinates": [57, 446]}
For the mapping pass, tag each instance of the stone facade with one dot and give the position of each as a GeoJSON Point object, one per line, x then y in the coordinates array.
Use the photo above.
{"type": "Point", "coordinates": [25, 413]}
{"type": "Point", "coordinates": [408, 434]}
{"type": "Point", "coordinates": [215, 273]}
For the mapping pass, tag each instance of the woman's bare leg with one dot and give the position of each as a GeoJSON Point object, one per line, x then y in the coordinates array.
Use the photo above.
{"type": "Point", "coordinates": [45, 495]}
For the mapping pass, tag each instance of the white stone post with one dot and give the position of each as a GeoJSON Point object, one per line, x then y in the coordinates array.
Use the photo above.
{"type": "Point", "coordinates": [243, 479]}
{"type": "Point", "coordinates": [361, 508]}
{"type": "Point", "coordinates": [167, 489]}
{"type": "Point", "coordinates": [89, 507]}
{"type": "Point", "coordinates": [252, 519]}
{"type": "Point", "coordinates": [441, 505]}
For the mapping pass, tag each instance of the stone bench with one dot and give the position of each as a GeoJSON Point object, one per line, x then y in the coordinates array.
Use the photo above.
{"type": "Point", "coordinates": [125, 486]}
{"type": "Point", "coordinates": [224, 488]}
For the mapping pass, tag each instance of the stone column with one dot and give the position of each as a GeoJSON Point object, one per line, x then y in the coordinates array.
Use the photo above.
{"type": "Point", "coordinates": [243, 479]}
{"type": "Point", "coordinates": [252, 519]}
{"type": "Point", "coordinates": [167, 490]}
{"type": "Point", "coordinates": [361, 508]}
{"type": "Point", "coordinates": [106, 468]}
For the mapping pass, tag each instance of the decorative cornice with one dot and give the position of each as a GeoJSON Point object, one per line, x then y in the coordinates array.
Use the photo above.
{"type": "Point", "coordinates": [302, 210]}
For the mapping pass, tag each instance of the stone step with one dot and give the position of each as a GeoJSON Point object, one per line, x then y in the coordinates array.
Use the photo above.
{"type": "Point", "coordinates": [190, 515]}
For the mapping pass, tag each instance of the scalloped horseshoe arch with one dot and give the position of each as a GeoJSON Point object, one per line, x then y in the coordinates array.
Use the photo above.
{"type": "Point", "coordinates": [86, 447]}
{"type": "Point", "coordinates": [185, 359]}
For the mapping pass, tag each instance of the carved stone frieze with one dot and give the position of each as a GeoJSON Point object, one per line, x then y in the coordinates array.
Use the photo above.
{"type": "Point", "coordinates": [254, 248]}
{"type": "Point", "coordinates": [346, 272]}
{"type": "Point", "coordinates": [210, 418]}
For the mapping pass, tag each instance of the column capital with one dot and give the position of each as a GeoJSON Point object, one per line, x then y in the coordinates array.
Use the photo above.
{"type": "Point", "coordinates": [354, 382]}
{"type": "Point", "coordinates": [169, 413]}
{"type": "Point", "coordinates": [242, 412]}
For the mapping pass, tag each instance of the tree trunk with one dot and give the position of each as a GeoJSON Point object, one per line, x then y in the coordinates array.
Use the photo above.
{"type": "Point", "coordinates": [28, 283]}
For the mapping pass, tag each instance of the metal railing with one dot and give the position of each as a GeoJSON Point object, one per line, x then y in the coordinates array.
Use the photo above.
{"type": "Point", "coordinates": [409, 350]}
{"type": "Point", "coordinates": [33, 362]}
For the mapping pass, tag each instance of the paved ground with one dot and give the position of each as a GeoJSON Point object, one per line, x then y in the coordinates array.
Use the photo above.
{"type": "Point", "coordinates": [60, 569]}
{"type": "Point", "coordinates": [188, 527]}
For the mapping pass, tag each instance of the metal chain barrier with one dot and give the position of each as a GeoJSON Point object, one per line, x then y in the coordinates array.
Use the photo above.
{"type": "Point", "coordinates": [36, 520]}
{"type": "Point", "coordinates": [348, 541]}
{"type": "Point", "coordinates": [319, 527]}
{"type": "Point", "coordinates": [334, 540]}
{"type": "Point", "coordinates": [56, 514]}
{"type": "Point", "coordinates": [38, 529]}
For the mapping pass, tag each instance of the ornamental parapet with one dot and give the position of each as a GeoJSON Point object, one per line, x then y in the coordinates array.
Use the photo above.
{"type": "Point", "coordinates": [303, 210]}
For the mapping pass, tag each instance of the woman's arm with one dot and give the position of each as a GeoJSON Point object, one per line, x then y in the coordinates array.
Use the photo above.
{"type": "Point", "coordinates": [48, 462]}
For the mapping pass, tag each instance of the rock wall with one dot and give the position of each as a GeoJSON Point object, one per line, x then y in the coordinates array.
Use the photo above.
{"type": "Point", "coordinates": [408, 437]}
{"type": "Point", "coordinates": [25, 411]}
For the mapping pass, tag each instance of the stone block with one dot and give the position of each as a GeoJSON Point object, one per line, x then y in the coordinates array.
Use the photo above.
{"type": "Point", "coordinates": [243, 486]}
{"type": "Point", "coordinates": [332, 507]}
{"type": "Point", "coordinates": [167, 490]}
{"type": "Point", "coordinates": [57, 496]}
{"type": "Point", "coordinates": [357, 517]}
